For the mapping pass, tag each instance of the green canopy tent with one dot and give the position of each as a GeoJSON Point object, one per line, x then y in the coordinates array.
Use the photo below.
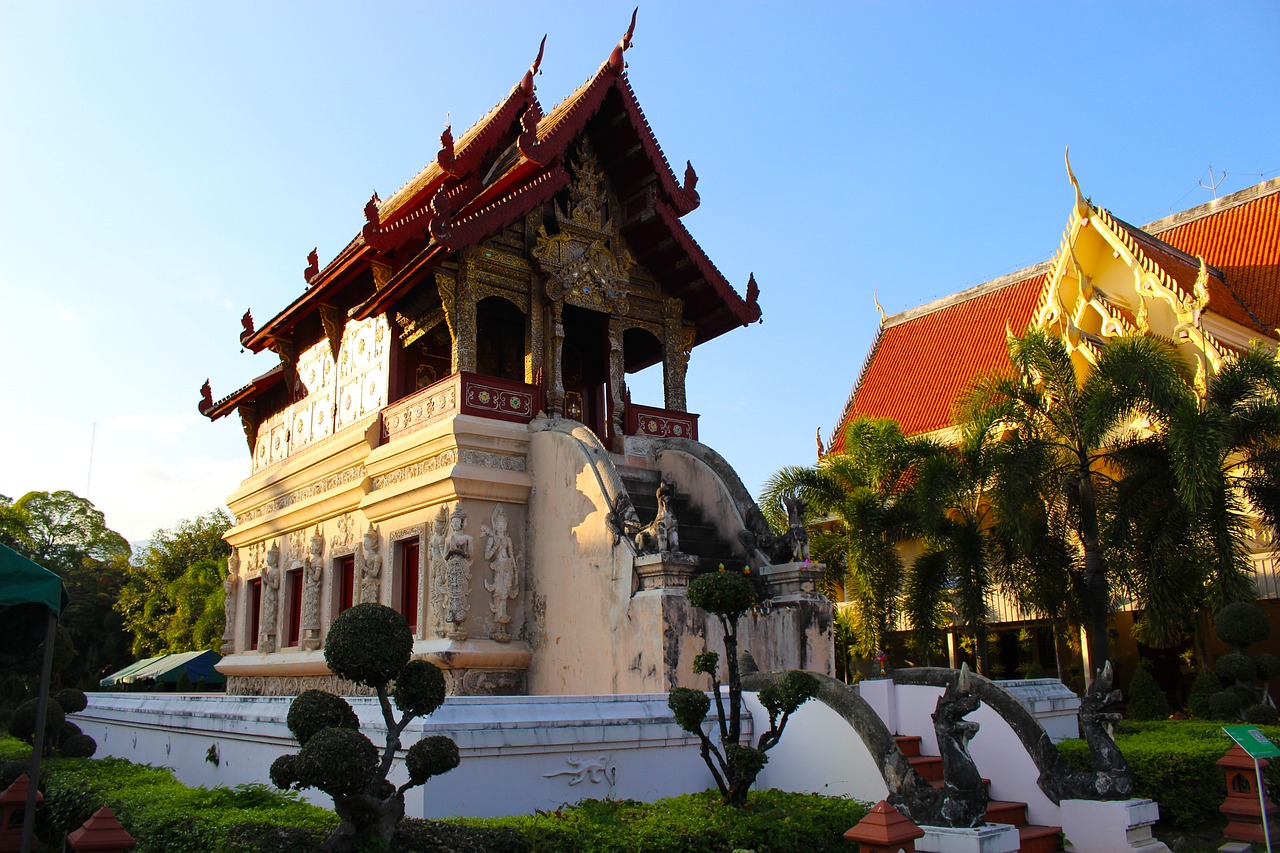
{"type": "Point", "coordinates": [31, 598]}
{"type": "Point", "coordinates": [198, 667]}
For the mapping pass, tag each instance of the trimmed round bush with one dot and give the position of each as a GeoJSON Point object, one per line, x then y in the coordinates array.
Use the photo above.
{"type": "Point", "coordinates": [368, 644]}
{"type": "Point", "coordinates": [431, 756]}
{"type": "Point", "coordinates": [1224, 705]}
{"type": "Point", "coordinates": [340, 762]}
{"type": "Point", "coordinates": [1235, 667]}
{"type": "Point", "coordinates": [284, 772]}
{"type": "Point", "coordinates": [727, 594]}
{"type": "Point", "coordinates": [72, 701]}
{"type": "Point", "coordinates": [1205, 685]}
{"type": "Point", "coordinates": [1261, 714]}
{"type": "Point", "coordinates": [1242, 624]}
{"type": "Point", "coordinates": [706, 662]}
{"type": "Point", "coordinates": [746, 761]}
{"type": "Point", "coordinates": [315, 711]}
{"type": "Point", "coordinates": [690, 707]}
{"type": "Point", "coordinates": [69, 729]}
{"type": "Point", "coordinates": [78, 746]}
{"type": "Point", "coordinates": [1146, 700]}
{"type": "Point", "coordinates": [23, 723]}
{"type": "Point", "coordinates": [419, 688]}
{"type": "Point", "coordinates": [1267, 665]}
{"type": "Point", "coordinates": [1246, 695]}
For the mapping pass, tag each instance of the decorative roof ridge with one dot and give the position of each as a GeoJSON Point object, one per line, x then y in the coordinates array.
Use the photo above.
{"type": "Point", "coordinates": [226, 405]}
{"type": "Point", "coordinates": [1142, 234]}
{"type": "Point", "coordinates": [747, 310]}
{"type": "Point", "coordinates": [1217, 205]}
{"type": "Point", "coordinates": [982, 289]}
{"type": "Point", "coordinates": [837, 434]}
{"type": "Point", "coordinates": [1131, 242]}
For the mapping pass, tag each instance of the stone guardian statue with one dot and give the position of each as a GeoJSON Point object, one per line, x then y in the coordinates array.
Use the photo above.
{"type": "Point", "coordinates": [371, 568]}
{"type": "Point", "coordinates": [436, 570]}
{"type": "Point", "coordinates": [231, 584]}
{"type": "Point", "coordinates": [457, 554]}
{"type": "Point", "coordinates": [270, 600]}
{"type": "Point", "coordinates": [505, 585]}
{"type": "Point", "coordinates": [313, 576]}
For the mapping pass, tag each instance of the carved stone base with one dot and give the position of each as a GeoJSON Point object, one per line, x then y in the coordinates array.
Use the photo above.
{"type": "Point", "coordinates": [1111, 826]}
{"type": "Point", "coordinates": [266, 644]}
{"type": "Point", "coordinates": [292, 685]}
{"type": "Point", "coordinates": [310, 639]}
{"type": "Point", "coordinates": [486, 682]}
{"type": "Point", "coordinates": [670, 569]}
{"type": "Point", "coordinates": [991, 838]}
{"type": "Point", "coordinates": [791, 581]}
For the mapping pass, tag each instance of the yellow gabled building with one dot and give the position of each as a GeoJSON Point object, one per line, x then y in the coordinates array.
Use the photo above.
{"type": "Point", "coordinates": [1207, 278]}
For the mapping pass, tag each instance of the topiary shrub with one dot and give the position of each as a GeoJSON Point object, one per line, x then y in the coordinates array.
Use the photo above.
{"type": "Point", "coordinates": [369, 644]}
{"type": "Point", "coordinates": [1242, 624]}
{"type": "Point", "coordinates": [1225, 705]}
{"type": "Point", "coordinates": [1205, 685]}
{"type": "Point", "coordinates": [1261, 715]}
{"type": "Point", "coordinates": [1146, 700]}
{"type": "Point", "coordinates": [733, 764]}
{"type": "Point", "coordinates": [1235, 667]}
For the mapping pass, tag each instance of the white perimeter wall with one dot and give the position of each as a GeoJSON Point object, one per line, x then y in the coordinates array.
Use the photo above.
{"type": "Point", "coordinates": [519, 753]}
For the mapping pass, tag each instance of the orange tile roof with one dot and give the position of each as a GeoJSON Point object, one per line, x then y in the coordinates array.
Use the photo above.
{"type": "Point", "coordinates": [924, 358]}
{"type": "Point", "coordinates": [1242, 240]}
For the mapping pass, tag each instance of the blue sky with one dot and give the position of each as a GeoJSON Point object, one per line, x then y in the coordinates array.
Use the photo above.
{"type": "Point", "coordinates": [163, 166]}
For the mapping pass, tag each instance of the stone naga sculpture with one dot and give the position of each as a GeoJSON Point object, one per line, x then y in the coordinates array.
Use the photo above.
{"type": "Point", "coordinates": [962, 800]}
{"type": "Point", "coordinates": [1110, 778]}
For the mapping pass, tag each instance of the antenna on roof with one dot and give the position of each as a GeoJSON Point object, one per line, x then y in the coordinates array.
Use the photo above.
{"type": "Point", "coordinates": [1212, 186]}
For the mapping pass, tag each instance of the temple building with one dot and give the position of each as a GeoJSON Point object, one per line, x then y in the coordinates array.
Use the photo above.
{"type": "Point", "coordinates": [1207, 278]}
{"type": "Point", "coordinates": [447, 428]}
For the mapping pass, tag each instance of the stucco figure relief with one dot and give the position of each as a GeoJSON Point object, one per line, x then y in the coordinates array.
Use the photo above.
{"type": "Point", "coordinates": [457, 553]}
{"type": "Point", "coordinates": [436, 593]}
{"type": "Point", "coordinates": [270, 600]}
{"type": "Point", "coordinates": [371, 568]}
{"type": "Point", "coordinates": [505, 585]}
{"type": "Point", "coordinates": [313, 578]}
{"type": "Point", "coordinates": [231, 584]}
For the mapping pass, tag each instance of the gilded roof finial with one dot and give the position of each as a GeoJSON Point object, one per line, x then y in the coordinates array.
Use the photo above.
{"type": "Point", "coordinates": [1200, 290]}
{"type": "Point", "coordinates": [875, 297]}
{"type": "Point", "coordinates": [1082, 207]}
{"type": "Point", "coordinates": [817, 436]}
{"type": "Point", "coordinates": [313, 266]}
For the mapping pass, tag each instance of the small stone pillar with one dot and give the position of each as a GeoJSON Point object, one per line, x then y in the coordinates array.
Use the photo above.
{"type": "Point", "coordinates": [668, 570]}
{"type": "Point", "coordinates": [13, 808]}
{"type": "Point", "coordinates": [1241, 807]}
{"type": "Point", "coordinates": [787, 582]}
{"type": "Point", "coordinates": [885, 830]}
{"type": "Point", "coordinates": [1111, 826]}
{"type": "Point", "coordinates": [101, 833]}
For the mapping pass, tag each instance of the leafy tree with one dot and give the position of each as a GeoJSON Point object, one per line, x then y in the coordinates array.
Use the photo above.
{"type": "Point", "coordinates": [867, 490]}
{"type": "Point", "coordinates": [1069, 429]}
{"type": "Point", "coordinates": [68, 535]}
{"type": "Point", "coordinates": [734, 764]}
{"type": "Point", "coordinates": [369, 644]}
{"type": "Point", "coordinates": [173, 598]}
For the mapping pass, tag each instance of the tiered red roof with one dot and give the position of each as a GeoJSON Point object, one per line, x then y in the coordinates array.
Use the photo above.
{"type": "Point", "coordinates": [1241, 237]}
{"type": "Point", "coordinates": [923, 359]}
{"type": "Point", "coordinates": [499, 170]}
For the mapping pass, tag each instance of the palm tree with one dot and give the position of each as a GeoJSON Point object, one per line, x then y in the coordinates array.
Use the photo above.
{"type": "Point", "coordinates": [865, 491]}
{"type": "Point", "coordinates": [1065, 430]}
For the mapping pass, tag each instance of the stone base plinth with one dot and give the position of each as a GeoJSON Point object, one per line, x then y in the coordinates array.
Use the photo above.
{"type": "Point", "coordinates": [989, 838]}
{"type": "Point", "coordinates": [1111, 826]}
{"type": "Point", "coordinates": [667, 570]}
{"type": "Point", "coordinates": [789, 581]}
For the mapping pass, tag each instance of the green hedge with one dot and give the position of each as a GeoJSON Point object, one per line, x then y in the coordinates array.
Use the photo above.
{"type": "Point", "coordinates": [162, 814]}
{"type": "Point", "coordinates": [1173, 763]}
{"type": "Point", "coordinates": [168, 817]}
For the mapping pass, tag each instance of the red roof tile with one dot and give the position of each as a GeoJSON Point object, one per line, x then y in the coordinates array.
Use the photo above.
{"type": "Point", "coordinates": [1244, 242]}
{"type": "Point", "coordinates": [919, 365]}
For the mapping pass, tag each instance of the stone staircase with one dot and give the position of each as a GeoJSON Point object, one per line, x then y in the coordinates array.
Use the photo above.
{"type": "Point", "coordinates": [1033, 838]}
{"type": "Point", "coordinates": [697, 538]}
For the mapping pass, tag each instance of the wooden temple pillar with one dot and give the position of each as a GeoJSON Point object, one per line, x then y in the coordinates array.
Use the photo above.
{"type": "Point", "coordinates": [617, 382]}
{"type": "Point", "coordinates": [555, 370]}
{"type": "Point", "coordinates": [457, 295]}
{"type": "Point", "coordinates": [677, 343]}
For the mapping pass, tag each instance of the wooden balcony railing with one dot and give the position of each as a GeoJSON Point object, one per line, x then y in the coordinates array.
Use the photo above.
{"type": "Point", "coordinates": [659, 423]}
{"type": "Point", "coordinates": [461, 394]}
